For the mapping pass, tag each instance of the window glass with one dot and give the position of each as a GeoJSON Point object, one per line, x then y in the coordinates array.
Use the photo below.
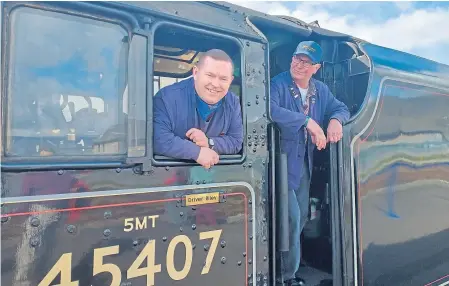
{"type": "Point", "coordinates": [67, 77]}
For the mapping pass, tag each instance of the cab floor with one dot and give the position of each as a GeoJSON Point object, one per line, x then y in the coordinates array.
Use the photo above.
{"type": "Point", "coordinates": [313, 276]}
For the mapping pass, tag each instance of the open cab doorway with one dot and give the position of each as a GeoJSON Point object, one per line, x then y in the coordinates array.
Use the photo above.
{"type": "Point", "coordinates": [345, 70]}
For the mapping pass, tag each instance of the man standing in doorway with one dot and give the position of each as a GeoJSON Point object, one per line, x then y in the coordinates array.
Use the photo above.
{"type": "Point", "coordinates": [299, 106]}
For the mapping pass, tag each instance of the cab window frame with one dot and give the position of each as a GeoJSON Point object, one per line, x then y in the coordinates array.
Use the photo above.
{"type": "Point", "coordinates": [163, 161]}
{"type": "Point", "coordinates": [121, 20]}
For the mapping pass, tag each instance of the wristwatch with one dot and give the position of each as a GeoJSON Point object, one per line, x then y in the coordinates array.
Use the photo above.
{"type": "Point", "coordinates": [211, 143]}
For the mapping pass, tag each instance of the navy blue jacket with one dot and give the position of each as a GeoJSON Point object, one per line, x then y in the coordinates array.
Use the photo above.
{"type": "Point", "coordinates": [175, 113]}
{"type": "Point", "coordinates": [290, 118]}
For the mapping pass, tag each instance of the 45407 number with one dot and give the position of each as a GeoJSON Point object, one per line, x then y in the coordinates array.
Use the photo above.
{"type": "Point", "coordinates": [64, 265]}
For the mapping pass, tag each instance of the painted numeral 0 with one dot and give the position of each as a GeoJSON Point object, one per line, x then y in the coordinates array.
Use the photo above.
{"type": "Point", "coordinates": [64, 265]}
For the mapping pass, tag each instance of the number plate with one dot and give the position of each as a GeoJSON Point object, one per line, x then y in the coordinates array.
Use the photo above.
{"type": "Point", "coordinates": [141, 239]}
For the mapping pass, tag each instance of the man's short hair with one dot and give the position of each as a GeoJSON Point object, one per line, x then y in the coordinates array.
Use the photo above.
{"type": "Point", "coordinates": [216, 54]}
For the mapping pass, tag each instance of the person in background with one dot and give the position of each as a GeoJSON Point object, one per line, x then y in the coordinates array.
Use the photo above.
{"type": "Point", "coordinates": [300, 105]}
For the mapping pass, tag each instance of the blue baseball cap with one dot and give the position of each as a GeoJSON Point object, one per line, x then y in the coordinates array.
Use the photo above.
{"type": "Point", "coordinates": [310, 49]}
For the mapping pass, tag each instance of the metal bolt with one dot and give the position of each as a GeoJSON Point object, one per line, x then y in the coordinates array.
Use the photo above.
{"type": "Point", "coordinates": [223, 260]}
{"type": "Point", "coordinates": [106, 232]}
{"type": "Point", "coordinates": [239, 263]}
{"type": "Point", "coordinates": [135, 242]}
{"type": "Point", "coordinates": [107, 215]}
{"type": "Point", "coordinates": [60, 172]}
{"type": "Point", "coordinates": [34, 241]}
{"type": "Point", "coordinates": [35, 222]}
{"type": "Point", "coordinates": [181, 214]}
{"type": "Point", "coordinates": [164, 238]}
{"type": "Point", "coordinates": [254, 131]}
{"type": "Point", "coordinates": [71, 228]}
{"type": "Point", "coordinates": [223, 244]}
{"type": "Point", "coordinates": [193, 226]}
{"type": "Point", "coordinates": [249, 136]}
{"type": "Point", "coordinates": [249, 144]}
{"type": "Point", "coordinates": [257, 102]}
{"type": "Point", "coordinates": [244, 254]}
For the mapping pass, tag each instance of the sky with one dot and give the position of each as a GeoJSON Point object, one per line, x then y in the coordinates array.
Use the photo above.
{"type": "Point", "coordinates": [420, 28]}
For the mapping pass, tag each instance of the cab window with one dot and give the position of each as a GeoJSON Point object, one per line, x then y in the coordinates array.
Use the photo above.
{"type": "Point", "coordinates": [65, 84]}
{"type": "Point", "coordinates": [177, 50]}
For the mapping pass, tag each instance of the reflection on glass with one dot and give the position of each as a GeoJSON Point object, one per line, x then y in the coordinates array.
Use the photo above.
{"type": "Point", "coordinates": [67, 77]}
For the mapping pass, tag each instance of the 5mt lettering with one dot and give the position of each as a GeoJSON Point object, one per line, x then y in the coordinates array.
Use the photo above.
{"type": "Point", "coordinates": [63, 266]}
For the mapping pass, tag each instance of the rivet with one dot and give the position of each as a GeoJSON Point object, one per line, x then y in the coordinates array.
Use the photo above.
{"type": "Point", "coordinates": [106, 232]}
{"type": "Point", "coordinates": [263, 48]}
{"type": "Point", "coordinates": [35, 222]}
{"type": "Point", "coordinates": [197, 182]}
{"type": "Point", "coordinates": [263, 143]}
{"type": "Point", "coordinates": [263, 162]}
{"type": "Point", "coordinates": [206, 247]}
{"type": "Point", "coordinates": [262, 126]}
{"type": "Point", "coordinates": [262, 136]}
{"type": "Point", "coordinates": [255, 144]}
{"type": "Point", "coordinates": [180, 229]}
{"type": "Point", "coordinates": [193, 226]}
{"type": "Point", "coordinates": [71, 228]}
{"type": "Point", "coordinates": [244, 254]}
{"type": "Point", "coordinates": [264, 238]}
{"type": "Point", "coordinates": [248, 74]}
{"type": "Point", "coordinates": [107, 215]}
{"type": "Point", "coordinates": [254, 150]}
{"type": "Point", "coordinates": [118, 170]}
{"type": "Point", "coordinates": [60, 172]}
{"type": "Point", "coordinates": [250, 164]}
{"type": "Point", "coordinates": [223, 260]}
{"type": "Point", "coordinates": [264, 98]}
{"type": "Point", "coordinates": [263, 64]}
{"type": "Point", "coordinates": [264, 219]}
{"type": "Point", "coordinates": [181, 214]}
{"type": "Point", "coordinates": [247, 43]}
{"type": "Point", "coordinates": [257, 102]}
{"type": "Point", "coordinates": [264, 115]}
{"type": "Point", "coordinates": [176, 12]}
{"type": "Point", "coordinates": [193, 246]}
{"type": "Point", "coordinates": [251, 237]}
{"type": "Point", "coordinates": [164, 238]}
{"type": "Point", "coordinates": [249, 103]}
{"type": "Point", "coordinates": [258, 278]}
{"type": "Point", "coordinates": [194, 208]}
{"type": "Point", "coordinates": [255, 137]}
{"type": "Point", "coordinates": [257, 96]}
{"type": "Point", "coordinates": [250, 219]}
{"type": "Point", "coordinates": [265, 259]}
{"type": "Point", "coordinates": [223, 244]}
{"type": "Point", "coordinates": [34, 241]}
{"type": "Point", "coordinates": [204, 181]}
{"type": "Point", "coordinates": [249, 144]}
{"type": "Point", "coordinates": [167, 168]}
{"type": "Point", "coordinates": [263, 81]}
{"type": "Point", "coordinates": [239, 263]}
{"type": "Point", "coordinates": [264, 200]}
{"type": "Point", "coordinates": [135, 242]}
{"type": "Point", "coordinates": [250, 261]}
{"type": "Point", "coordinates": [254, 131]}
{"type": "Point", "coordinates": [249, 136]}
{"type": "Point", "coordinates": [250, 201]}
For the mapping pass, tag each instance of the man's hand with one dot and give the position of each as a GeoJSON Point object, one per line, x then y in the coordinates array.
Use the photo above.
{"type": "Point", "coordinates": [198, 137]}
{"type": "Point", "coordinates": [207, 157]}
{"type": "Point", "coordinates": [334, 131]}
{"type": "Point", "coordinates": [317, 134]}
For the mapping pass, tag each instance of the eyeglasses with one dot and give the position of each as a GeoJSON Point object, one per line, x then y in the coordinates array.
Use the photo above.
{"type": "Point", "coordinates": [304, 63]}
